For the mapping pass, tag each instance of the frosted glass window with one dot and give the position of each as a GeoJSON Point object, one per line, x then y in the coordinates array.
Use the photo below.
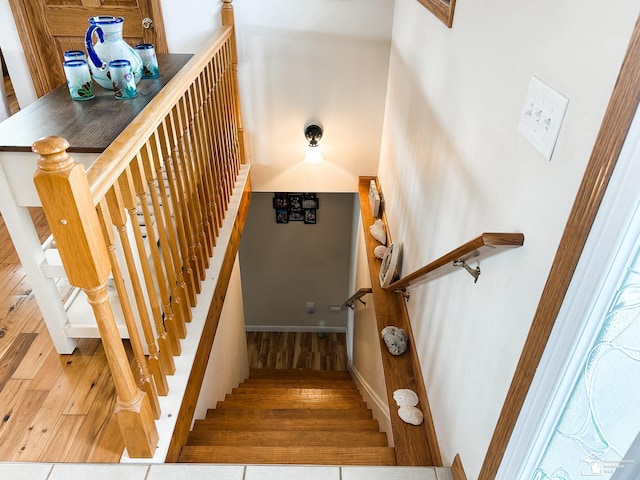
{"type": "Point", "coordinates": [601, 417]}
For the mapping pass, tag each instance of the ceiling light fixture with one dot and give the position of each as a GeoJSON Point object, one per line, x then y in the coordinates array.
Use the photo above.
{"type": "Point", "coordinates": [313, 133]}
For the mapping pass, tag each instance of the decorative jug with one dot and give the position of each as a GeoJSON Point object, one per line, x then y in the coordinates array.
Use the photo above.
{"type": "Point", "coordinates": [110, 46]}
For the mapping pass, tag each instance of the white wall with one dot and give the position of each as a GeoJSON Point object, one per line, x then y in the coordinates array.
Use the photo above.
{"type": "Point", "coordinates": [190, 23]}
{"type": "Point", "coordinates": [14, 57]}
{"type": "Point", "coordinates": [320, 60]}
{"type": "Point", "coordinates": [453, 166]}
{"type": "Point", "coordinates": [229, 361]}
{"type": "Point", "coordinates": [284, 266]}
{"type": "Point", "coordinates": [366, 365]}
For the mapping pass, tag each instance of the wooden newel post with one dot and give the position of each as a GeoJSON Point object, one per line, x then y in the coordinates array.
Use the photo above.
{"type": "Point", "coordinates": [227, 12]}
{"type": "Point", "coordinates": [64, 192]}
{"type": "Point", "coordinates": [228, 19]}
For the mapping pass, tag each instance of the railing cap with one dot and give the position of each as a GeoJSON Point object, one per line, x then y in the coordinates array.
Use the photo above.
{"type": "Point", "coordinates": [50, 145]}
{"type": "Point", "coordinates": [53, 153]}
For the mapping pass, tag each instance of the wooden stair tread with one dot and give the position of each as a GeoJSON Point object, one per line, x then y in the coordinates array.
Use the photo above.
{"type": "Point", "coordinates": [298, 383]}
{"type": "Point", "coordinates": [300, 373]}
{"type": "Point", "coordinates": [337, 403]}
{"type": "Point", "coordinates": [289, 455]}
{"type": "Point", "coordinates": [257, 414]}
{"type": "Point", "coordinates": [296, 391]}
{"type": "Point", "coordinates": [286, 424]}
{"type": "Point", "coordinates": [271, 438]}
{"type": "Point", "coordinates": [292, 394]}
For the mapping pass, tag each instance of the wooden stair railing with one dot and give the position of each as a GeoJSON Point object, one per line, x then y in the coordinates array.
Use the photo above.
{"type": "Point", "coordinates": [483, 246]}
{"type": "Point", "coordinates": [144, 219]}
{"type": "Point", "coordinates": [63, 188]}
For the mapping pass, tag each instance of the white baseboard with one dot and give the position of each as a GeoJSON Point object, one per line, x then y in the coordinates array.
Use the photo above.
{"type": "Point", "coordinates": [292, 328]}
{"type": "Point", "coordinates": [378, 406]}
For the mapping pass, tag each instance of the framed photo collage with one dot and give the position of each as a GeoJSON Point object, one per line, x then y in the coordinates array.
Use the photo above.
{"type": "Point", "coordinates": [295, 207]}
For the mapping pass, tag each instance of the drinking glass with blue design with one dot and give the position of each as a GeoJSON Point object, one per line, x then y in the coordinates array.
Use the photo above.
{"type": "Point", "coordinates": [149, 60]}
{"type": "Point", "coordinates": [78, 79]}
{"type": "Point", "coordinates": [124, 84]}
{"type": "Point", "coordinates": [75, 55]}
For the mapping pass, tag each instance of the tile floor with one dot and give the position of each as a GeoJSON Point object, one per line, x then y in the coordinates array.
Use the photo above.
{"type": "Point", "coordinates": [64, 471]}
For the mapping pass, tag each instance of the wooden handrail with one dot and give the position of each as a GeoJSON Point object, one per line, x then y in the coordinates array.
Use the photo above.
{"type": "Point", "coordinates": [145, 216]}
{"type": "Point", "coordinates": [355, 297]}
{"type": "Point", "coordinates": [480, 247]}
{"type": "Point", "coordinates": [415, 446]}
{"type": "Point", "coordinates": [63, 189]}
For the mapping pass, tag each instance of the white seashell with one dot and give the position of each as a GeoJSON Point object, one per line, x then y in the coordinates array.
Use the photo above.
{"type": "Point", "coordinates": [379, 251]}
{"type": "Point", "coordinates": [411, 415]}
{"type": "Point", "coordinates": [405, 397]}
{"type": "Point", "coordinates": [378, 232]}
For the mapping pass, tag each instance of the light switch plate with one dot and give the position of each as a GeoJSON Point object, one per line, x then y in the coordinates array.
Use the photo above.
{"type": "Point", "coordinates": [542, 116]}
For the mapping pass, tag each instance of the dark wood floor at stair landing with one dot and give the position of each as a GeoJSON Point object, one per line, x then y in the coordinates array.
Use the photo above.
{"type": "Point", "coordinates": [290, 416]}
{"type": "Point", "coordinates": [297, 350]}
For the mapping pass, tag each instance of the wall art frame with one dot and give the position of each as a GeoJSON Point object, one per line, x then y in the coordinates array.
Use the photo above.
{"type": "Point", "coordinates": [442, 9]}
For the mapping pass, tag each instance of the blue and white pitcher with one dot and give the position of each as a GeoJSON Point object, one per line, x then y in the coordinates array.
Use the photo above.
{"type": "Point", "coordinates": [110, 46]}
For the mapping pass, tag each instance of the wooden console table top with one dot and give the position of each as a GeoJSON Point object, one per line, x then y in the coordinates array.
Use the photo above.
{"type": "Point", "coordinates": [90, 126]}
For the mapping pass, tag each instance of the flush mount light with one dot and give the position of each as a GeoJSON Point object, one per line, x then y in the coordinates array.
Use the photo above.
{"type": "Point", "coordinates": [313, 133]}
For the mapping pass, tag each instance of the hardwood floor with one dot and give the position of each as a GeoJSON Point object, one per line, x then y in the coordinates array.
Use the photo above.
{"type": "Point", "coordinates": [286, 350]}
{"type": "Point", "coordinates": [11, 96]}
{"type": "Point", "coordinates": [52, 407]}
{"type": "Point", "coordinates": [58, 408]}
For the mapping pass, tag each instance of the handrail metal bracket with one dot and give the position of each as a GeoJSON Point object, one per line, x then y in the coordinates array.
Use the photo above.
{"type": "Point", "coordinates": [404, 293]}
{"type": "Point", "coordinates": [351, 304]}
{"type": "Point", "coordinates": [351, 301]}
{"type": "Point", "coordinates": [474, 272]}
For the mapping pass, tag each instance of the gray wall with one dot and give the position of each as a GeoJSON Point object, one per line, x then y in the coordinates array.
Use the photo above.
{"type": "Point", "coordinates": [286, 265]}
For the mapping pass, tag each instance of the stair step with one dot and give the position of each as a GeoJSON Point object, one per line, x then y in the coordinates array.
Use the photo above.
{"type": "Point", "coordinates": [289, 455]}
{"type": "Point", "coordinates": [256, 415]}
{"type": "Point", "coordinates": [277, 403]}
{"type": "Point", "coordinates": [300, 374]}
{"type": "Point", "coordinates": [295, 393]}
{"type": "Point", "coordinates": [310, 438]}
{"type": "Point", "coordinates": [297, 383]}
{"type": "Point", "coordinates": [280, 424]}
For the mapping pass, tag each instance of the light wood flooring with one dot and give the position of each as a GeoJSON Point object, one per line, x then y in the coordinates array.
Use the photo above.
{"type": "Point", "coordinates": [11, 96]}
{"type": "Point", "coordinates": [52, 407]}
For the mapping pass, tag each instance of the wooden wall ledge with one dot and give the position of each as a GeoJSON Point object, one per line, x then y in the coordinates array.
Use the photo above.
{"type": "Point", "coordinates": [414, 445]}
{"type": "Point", "coordinates": [480, 247]}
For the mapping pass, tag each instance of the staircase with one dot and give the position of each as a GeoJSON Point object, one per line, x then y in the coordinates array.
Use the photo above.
{"type": "Point", "coordinates": [310, 417]}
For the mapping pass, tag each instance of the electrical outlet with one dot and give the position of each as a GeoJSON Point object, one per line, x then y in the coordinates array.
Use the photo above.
{"type": "Point", "coordinates": [542, 116]}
